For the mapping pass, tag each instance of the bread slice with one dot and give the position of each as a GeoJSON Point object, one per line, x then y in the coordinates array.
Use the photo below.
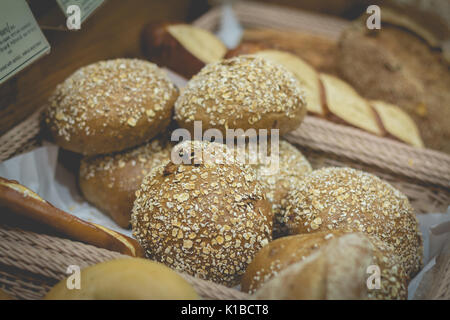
{"type": "Point", "coordinates": [397, 123]}
{"type": "Point", "coordinates": [346, 104]}
{"type": "Point", "coordinates": [201, 43]}
{"type": "Point", "coordinates": [306, 75]}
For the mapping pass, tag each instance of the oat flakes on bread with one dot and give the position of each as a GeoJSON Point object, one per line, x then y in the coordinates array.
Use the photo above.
{"type": "Point", "coordinates": [207, 218]}
{"type": "Point", "coordinates": [284, 252]}
{"type": "Point", "coordinates": [245, 92]}
{"type": "Point", "coordinates": [110, 181]}
{"type": "Point", "coordinates": [352, 200]}
{"type": "Point", "coordinates": [110, 106]}
{"type": "Point", "coordinates": [305, 74]}
{"type": "Point", "coordinates": [278, 176]}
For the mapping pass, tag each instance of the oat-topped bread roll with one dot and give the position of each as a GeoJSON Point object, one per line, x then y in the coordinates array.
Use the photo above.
{"type": "Point", "coordinates": [349, 199]}
{"type": "Point", "coordinates": [206, 218]}
{"type": "Point", "coordinates": [110, 106]}
{"type": "Point", "coordinates": [111, 181]}
{"type": "Point", "coordinates": [241, 93]}
{"type": "Point", "coordinates": [278, 176]}
{"type": "Point", "coordinates": [286, 251]}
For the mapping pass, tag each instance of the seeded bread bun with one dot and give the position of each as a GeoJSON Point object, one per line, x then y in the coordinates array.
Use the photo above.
{"type": "Point", "coordinates": [280, 175]}
{"type": "Point", "coordinates": [207, 218]}
{"type": "Point", "coordinates": [338, 270]}
{"type": "Point", "coordinates": [126, 279]}
{"type": "Point", "coordinates": [242, 93]}
{"type": "Point", "coordinates": [110, 106]}
{"type": "Point", "coordinates": [111, 181]}
{"type": "Point", "coordinates": [283, 252]}
{"type": "Point", "coordinates": [348, 199]}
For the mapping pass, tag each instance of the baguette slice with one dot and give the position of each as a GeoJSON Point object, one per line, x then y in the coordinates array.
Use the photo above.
{"type": "Point", "coordinates": [346, 104]}
{"type": "Point", "coordinates": [398, 123]}
{"type": "Point", "coordinates": [306, 75]}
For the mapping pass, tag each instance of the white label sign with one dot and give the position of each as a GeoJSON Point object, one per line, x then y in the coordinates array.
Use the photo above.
{"type": "Point", "coordinates": [21, 40]}
{"type": "Point", "coordinates": [86, 7]}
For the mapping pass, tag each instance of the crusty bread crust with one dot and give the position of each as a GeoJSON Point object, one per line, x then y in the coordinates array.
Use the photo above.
{"type": "Point", "coordinates": [245, 92]}
{"type": "Point", "coordinates": [111, 181]}
{"type": "Point", "coordinates": [349, 199]}
{"type": "Point", "coordinates": [110, 106]}
{"type": "Point", "coordinates": [207, 219]}
{"type": "Point", "coordinates": [278, 255]}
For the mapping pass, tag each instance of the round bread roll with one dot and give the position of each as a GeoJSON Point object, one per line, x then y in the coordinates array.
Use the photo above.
{"type": "Point", "coordinates": [110, 106]}
{"type": "Point", "coordinates": [278, 176]}
{"type": "Point", "coordinates": [125, 279]}
{"type": "Point", "coordinates": [242, 93]}
{"type": "Point", "coordinates": [348, 199]}
{"type": "Point", "coordinates": [283, 252]}
{"type": "Point", "coordinates": [207, 218]}
{"type": "Point", "coordinates": [111, 181]}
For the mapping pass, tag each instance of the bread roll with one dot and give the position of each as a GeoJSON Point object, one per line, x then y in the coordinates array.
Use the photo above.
{"type": "Point", "coordinates": [183, 48]}
{"type": "Point", "coordinates": [282, 173]}
{"type": "Point", "coordinates": [23, 201]}
{"type": "Point", "coordinates": [284, 252]}
{"type": "Point", "coordinates": [110, 181]}
{"type": "Point", "coordinates": [317, 50]}
{"type": "Point", "coordinates": [242, 93]}
{"type": "Point", "coordinates": [305, 74]}
{"type": "Point", "coordinates": [110, 106]}
{"type": "Point", "coordinates": [336, 271]}
{"type": "Point", "coordinates": [126, 279]}
{"type": "Point", "coordinates": [207, 218]}
{"type": "Point", "coordinates": [347, 199]}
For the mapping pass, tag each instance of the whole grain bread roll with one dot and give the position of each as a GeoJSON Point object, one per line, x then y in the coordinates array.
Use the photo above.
{"type": "Point", "coordinates": [284, 252]}
{"type": "Point", "coordinates": [207, 216]}
{"type": "Point", "coordinates": [242, 93]}
{"type": "Point", "coordinates": [111, 181]}
{"type": "Point", "coordinates": [348, 199]}
{"type": "Point", "coordinates": [110, 106]}
{"type": "Point", "coordinates": [278, 171]}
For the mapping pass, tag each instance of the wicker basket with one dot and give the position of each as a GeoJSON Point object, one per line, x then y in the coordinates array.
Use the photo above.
{"type": "Point", "coordinates": [30, 263]}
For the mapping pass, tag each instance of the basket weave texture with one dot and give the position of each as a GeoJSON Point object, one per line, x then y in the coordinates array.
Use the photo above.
{"type": "Point", "coordinates": [30, 263]}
